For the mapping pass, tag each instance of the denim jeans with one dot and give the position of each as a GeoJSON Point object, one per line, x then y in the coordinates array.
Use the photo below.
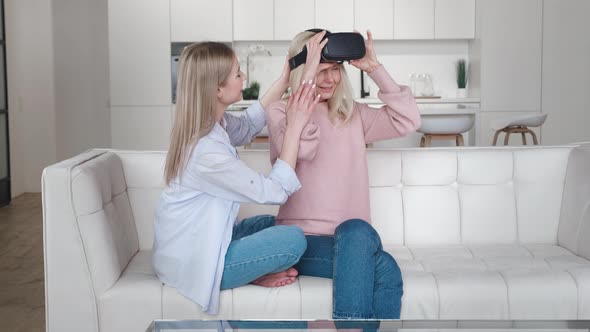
{"type": "Point", "coordinates": [258, 247]}
{"type": "Point", "coordinates": [367, 281]}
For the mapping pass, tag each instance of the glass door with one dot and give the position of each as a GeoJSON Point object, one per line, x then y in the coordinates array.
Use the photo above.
{"type": "Point", "coordinates": [4, 148]}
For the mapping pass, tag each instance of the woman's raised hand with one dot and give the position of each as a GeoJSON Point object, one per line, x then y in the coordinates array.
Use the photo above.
{"type": "Point", "coordinates": [314, 54]}
{"type": "Point", "coordinates": [369, 62]}
{"type": "Point", "coordinates": [300, 106]}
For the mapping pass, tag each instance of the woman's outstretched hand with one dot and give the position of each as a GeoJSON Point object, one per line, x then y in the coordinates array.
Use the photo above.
{"type": "Point", "coordinates": [276, 91]}
{"type": "Point", "coordinates": [299, 109]}
{"type": "Point", "coordinates": [301, 105]}
{"type": "Point", "coordinates": [369, 62]}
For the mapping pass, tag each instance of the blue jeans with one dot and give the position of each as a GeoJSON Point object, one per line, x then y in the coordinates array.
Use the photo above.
{"type": "Point", "coordinates": [367, 282]}
{"type": "Point", "coordinates": [258, 247]}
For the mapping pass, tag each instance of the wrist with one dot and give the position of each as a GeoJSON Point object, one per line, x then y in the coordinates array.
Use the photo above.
{"type": "Point", "coordinates": [372, 67]}
{"type": "Point", "coordinates": [293, 130]}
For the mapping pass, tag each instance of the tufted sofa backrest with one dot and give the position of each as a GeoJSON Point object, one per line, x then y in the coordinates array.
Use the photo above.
{"type": "Point", "coordinates": [458, 196]}
{"type": "Point", "coordinates": [418, 196]}
{"type": "Point", "coordinates": [104, 217]}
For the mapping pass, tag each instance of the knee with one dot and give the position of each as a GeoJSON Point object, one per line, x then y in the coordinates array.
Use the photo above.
{"type": "Point", "coordinates": [267, 220]}
{"type": "Point", "coordinates": [359, 229]}
{"type": "Point", "coordinates": [292, 240]}
{"type": "Point", "coordinates": [387, 270]}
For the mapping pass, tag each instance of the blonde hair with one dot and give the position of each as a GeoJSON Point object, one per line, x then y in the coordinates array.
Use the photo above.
{"type": "Point", "coordinates": [341, 103]}
{"type": "Point", "coordinates": [202, 68]}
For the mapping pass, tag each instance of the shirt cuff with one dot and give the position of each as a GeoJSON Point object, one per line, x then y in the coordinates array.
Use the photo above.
{"type": "Point", "coordinates": [256, 114]}
{"type": "Point", "coordinates": [383, 80]}
{"type": "Point", "coordinates": [285, 175]}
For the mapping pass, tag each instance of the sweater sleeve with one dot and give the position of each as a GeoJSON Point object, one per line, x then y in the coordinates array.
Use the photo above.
{"type": "Point", "coordinates": [276, 119]}
{"type": "Point", "coordinates": [398, 117]}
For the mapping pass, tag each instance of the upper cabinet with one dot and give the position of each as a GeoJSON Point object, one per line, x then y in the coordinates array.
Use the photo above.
{"type": "Point", "coordinates": [454, 19]}
{"type": "Point", "coordinates": [334, 15]}
{"type": "Point", "coordinates": [265, 20]}
{"type": "Point", "coordinates": [253, 20]}
{"type": "Point", "coordinates": [512, 63]}
{"type": "Point", "coordinates": [201, 20]}
{"type": "Point", "coordinates": [413, 19]}
{"type": "Point", "coordinates": [139, 52]}
{"type": "Point", "coordinates": [292, 17]}
{"type": "Point", "coordinates": [374, 15]}
{"type": "Point", "coordinates": [434, 19]}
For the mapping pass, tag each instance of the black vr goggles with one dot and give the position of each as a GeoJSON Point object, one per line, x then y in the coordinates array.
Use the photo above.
{"type": "Point", "coordinates": [341, 46]}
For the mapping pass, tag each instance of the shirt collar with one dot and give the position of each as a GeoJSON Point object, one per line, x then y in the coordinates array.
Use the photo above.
{"type": "Point", "coordinates": [218, 132]}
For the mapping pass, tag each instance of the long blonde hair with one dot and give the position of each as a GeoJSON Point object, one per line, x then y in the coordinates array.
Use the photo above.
{"type": "Point", "coordinates": [202, 68]}
{"type": "Point", "coordinates": [341, 103]}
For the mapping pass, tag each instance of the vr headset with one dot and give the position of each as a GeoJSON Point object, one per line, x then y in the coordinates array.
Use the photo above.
{"type": "Point", "coordinates": [341, 46]}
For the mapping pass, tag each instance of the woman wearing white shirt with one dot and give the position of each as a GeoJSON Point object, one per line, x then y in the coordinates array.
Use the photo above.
{"type": "Point", "coordinates": [199, 248]}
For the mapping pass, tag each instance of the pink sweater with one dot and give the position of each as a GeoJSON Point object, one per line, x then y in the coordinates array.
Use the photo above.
{"type": "Point", "coordinates": [332, 163]}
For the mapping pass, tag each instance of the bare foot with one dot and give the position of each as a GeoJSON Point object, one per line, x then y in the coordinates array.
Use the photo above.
{"type": "Point", "coordinates": [278, 279]}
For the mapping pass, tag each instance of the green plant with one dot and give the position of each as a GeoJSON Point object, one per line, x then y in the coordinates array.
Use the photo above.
{"type": "Point", "coordinates": [252, 91]}
{"type": "Point", "coordinates": [461, 74]}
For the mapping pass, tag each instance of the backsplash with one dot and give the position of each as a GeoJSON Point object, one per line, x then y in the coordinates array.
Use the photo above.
{"type": "Point", "coordinates": [401, 58]}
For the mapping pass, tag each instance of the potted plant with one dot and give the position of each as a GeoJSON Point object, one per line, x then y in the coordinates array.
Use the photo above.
{"type": "Point", "coordinates": [462, 72]}
{"type": "Point", "coordinates": [252, 91]}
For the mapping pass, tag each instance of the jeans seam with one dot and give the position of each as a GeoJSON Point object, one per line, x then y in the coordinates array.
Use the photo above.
{"type": "Point", "coordinates": [261, 218]}
{"type": "Point", "coordinates": [316, 259]}
{"type": "Point", "coordinates": [334, 275]}
{"type": "Point", "coordinates": [259, 259]}
{"type": "Point", "coordinates": [351, 315]}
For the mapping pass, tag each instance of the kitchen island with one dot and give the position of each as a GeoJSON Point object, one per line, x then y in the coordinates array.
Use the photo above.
{"type": "Point", "coordinates": [435, 108]}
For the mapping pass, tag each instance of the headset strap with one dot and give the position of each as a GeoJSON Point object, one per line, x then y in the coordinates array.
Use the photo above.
{"type": "Point", "coordinates": [300, 58]}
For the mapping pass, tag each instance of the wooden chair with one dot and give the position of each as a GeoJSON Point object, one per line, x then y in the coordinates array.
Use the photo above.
{"type": "Point", "coordinates": [427, 139]}
{"type": "Point", "coordinates": [518, 125]}
{"type": "Point", "coordinates": [445, 127]}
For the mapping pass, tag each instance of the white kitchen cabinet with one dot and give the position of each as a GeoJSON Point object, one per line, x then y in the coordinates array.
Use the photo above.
{"type": "Point", "coordinates": [141, 128]}
{"type": "Point", "coordinates": [139, 52]}
{"type": "Point", "coordinates": [413, 19]}
{"type": "Point", "coordinates": [253, 20]}
{"type": "Point", "coordinates": [193, 20]}
{"type": "Point", "coordinates": [334, 15]}
{"type": "Point", "coordinates": [511, 53]}
{"type": "Point", "coordinates": [454, 19]}
{"type": "Point", "coordinates": [375, 15]}
{"type": "Point", "coordinates": [292, 17]}
{"type": "Point", "coordinates": [566, 71]}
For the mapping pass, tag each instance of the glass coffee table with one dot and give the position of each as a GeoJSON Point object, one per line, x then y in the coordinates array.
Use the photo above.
{"type": "Point", "coordinates": [370, 325]}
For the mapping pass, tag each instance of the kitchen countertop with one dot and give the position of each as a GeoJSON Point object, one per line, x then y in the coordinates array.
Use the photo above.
{"type": "Point", "coordinates": [438, 106]}
{"type": "Point", "coordinates": [425, 100]}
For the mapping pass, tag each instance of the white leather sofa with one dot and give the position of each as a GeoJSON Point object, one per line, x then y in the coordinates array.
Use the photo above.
{"type": "Point", "coordinates": [480, 233]}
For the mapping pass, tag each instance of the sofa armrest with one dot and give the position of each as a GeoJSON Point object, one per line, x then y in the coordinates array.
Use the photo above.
{"type": "Point", "coordinates": [574, 220]}
{"type": "Point", "coordinates": [70, 302]}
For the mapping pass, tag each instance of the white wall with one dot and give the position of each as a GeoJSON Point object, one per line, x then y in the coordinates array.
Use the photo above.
{"type": "Point", "coordinates": [401, 58]}
{"type": "Point", "coordinates": [31, 91]}
{"type": "Point", "coordinates": [57, 59]}
{"type": "Point", "coordinates": [566, 71]}
{"type": "Point", "coordinates": [80, 31]}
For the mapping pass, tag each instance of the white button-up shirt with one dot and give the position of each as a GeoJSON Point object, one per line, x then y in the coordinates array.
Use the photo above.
{"type": "Point", "coordinates": [197, 212]}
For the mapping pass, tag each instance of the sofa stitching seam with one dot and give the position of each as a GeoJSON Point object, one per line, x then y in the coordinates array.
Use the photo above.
{"type": "Point", "coordinates": [507, 293]}
{"type": "Point", "coordinates": [577, 293]}
{"type": "Point", "coordinates": [437, 294]}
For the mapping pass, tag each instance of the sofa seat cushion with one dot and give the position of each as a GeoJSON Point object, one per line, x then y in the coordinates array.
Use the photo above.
{"type": "Point", "coordinates": [137, 294]}
{"type": "Point", "coordinates": [307, 297]}
{"type": "Point", "coordinates": [509, 282]}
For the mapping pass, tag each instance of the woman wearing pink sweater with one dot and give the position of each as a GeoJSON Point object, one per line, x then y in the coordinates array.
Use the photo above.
{"type": "Point", "coordinates": [332, 206]}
